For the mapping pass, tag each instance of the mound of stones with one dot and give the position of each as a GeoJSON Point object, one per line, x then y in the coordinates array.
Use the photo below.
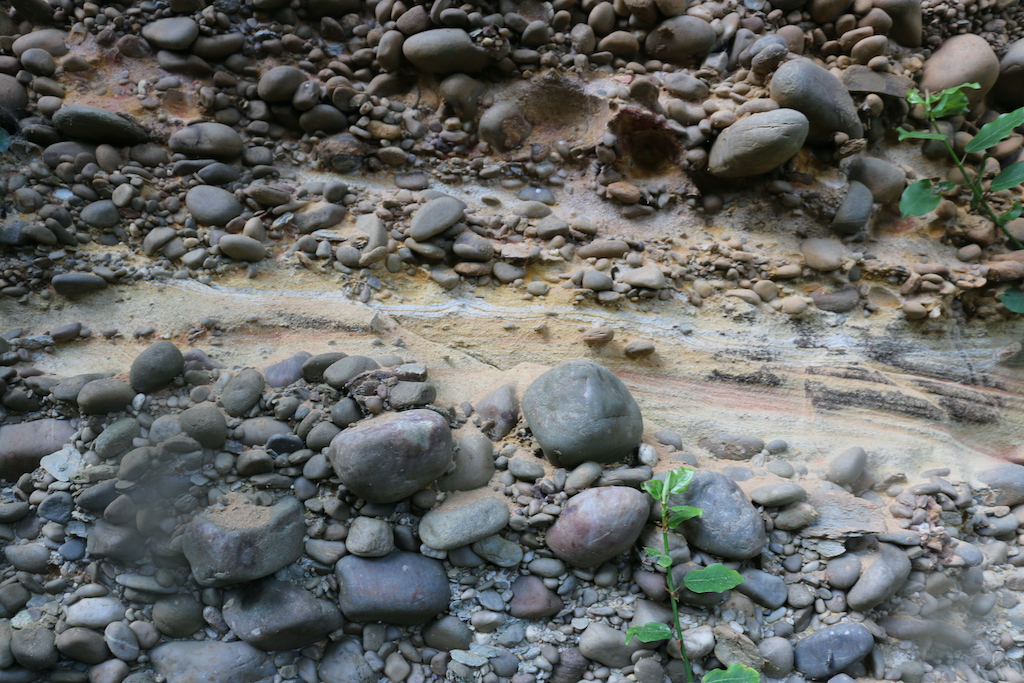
{"type": "Point", "coordinates": [326, 518]}
{"type": "Point", "coordinates": [721, 89]}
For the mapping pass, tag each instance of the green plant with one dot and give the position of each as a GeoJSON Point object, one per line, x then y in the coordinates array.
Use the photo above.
{"type": "Point", "coordinates": [923, 196]}
{"type": "Point", "coordinates": [714, 578]}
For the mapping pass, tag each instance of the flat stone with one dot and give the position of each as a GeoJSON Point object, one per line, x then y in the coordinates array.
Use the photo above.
{"type": "Point", "coordinates": [445, 529]}
{"type": "Point", "coordinates": [777, 495]}
{"type": "Point", "coordinates": [93, 124]}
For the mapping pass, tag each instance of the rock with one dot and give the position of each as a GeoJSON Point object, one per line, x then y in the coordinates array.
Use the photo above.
{"type": "Point", "coordinates": [966, 58]}
{"type": "Point", "coordinates": [823, 254]}
{"type": "Point", "coordinates": [104, 396]}
{"type": "Point", "coordinates": [28, 557]}
{"type": "Point", "coordinates": [93, 124]}
{"type": "Point", "coordinates": [505, 126]}
{"type": "Point", "coordinates": [906, 20]}
{"type": "Point", "coordinates": [778, 656]}
{"type": "Point", "coordinates": [1003, 485]}
{"type": "Point", "coordinates": [445, 50]}
{"type": "Point", "coordinates": [122, 641]}
{"type": "Point", "coordinates": [242, 247]}
{"type": "Point", "coordinates": [369, 537]}
{"type": "Point", "coordinates": [882, 179]}
{"type": "Point", "coordinates": [842, 300]}
{"type": "Point", "coordinates": [777, 495]}
{"type": "Point", "coordinates": [178, 616]}
{"type": "Point", "coordinates": [212, 660]}
{"type": "Point", "coordinates": [207, 141]}
{"type": "Point", "coordinates": [74, 285]}
{"type": "Point", "coordinates": [462, 93]}
{"type": "Point", "coordinates": [95, 612]}
{"type": "Point", "coordinates": [435, 217]}
{"type": "Point", "coordinates": [795, 516]}
{"type": "Point", "coordinates": [340, 372]}
{"type": "Point", "coordinates": [280, 83]}
{"type": "Point", "coordinates": [101, 215]}
{"type": "Point", "coordinates": [50, 39]}
{"type": "Point", "coordinates": [13, 96]}
{"type": "Point", "coordinates": [812, 90]}
{"type": "Point", "coordinates": [607, 645]}
{"type": "Point", "coordinates": [474, 465]}
{"type": "Point", "coordinates": [763, 588]}
{"type": "Point", "coordinates": [883, 574]}
{"type": "Point", "coordinates": [343, 662]}
{"type": "Point", "coordinates": [156, 367]}
{"type": "Point", "coordinates": [531, 599]}
{"type": "Point", "coordinates": [447, 633]}
{"type": "Point", "coordinates": [314, 366]}
{"type": "Point", "coordinates": [580, 411]}
{"type": "Point", "coordinates": [24, 443]}
{"type": "Point", "coordinates": [734, 647]}
{"type": "Point", "coordinates": [846, 468]}
{"type": "Point", "coordinates": [730, 525]}
{"type": "Point", "coordinates": [679, 39]}
{"type": "Point", "coordinates": [402, 588]}
{"type": "Point", "coordinates": [35, 648]}
{"type": "Point", "coordinates": [242, 392]}
{"type": "Point", "coordinates": [826, 652]}
{"type": "Point", "coordinates": [683, 85]}
{"type": "Point", "coordinates": [83, 645]}
{"type": "Point", "coordinates": [113, 541]}
{"type": "Point", "coordinates": [598, 524]}
{"type": "Point", "coordinates": [243, 541]}
{"type": "Point", "coordinates": [853, 214]}
{"type": "Point", "coordinates": [214, 206]}
{"type": "Point", "coordinates": [117, 438]}
{"type": "Point", "coordinates": [499, 551]}
{"type": "Point", "coordinates": [758, 144]}
{"type": "Point", "coordinates": [648, 276]}
{"type": "Point", "coordinates": [446, 529]}
{"type": "Point", "coordinates": [1009, 87]}
{"type": "Point", "coordinates": [206, 424]}
{"type": "Point", "coordinates": [733, 446]}
{"type": "Point", "coordinates": [389, 458]}
{"type": "Point", "coordinates": [501, 407]}
{"type": "Point", "coordinates": [172, 33]}
{"type": "Point", "coordinates": [254, 613]}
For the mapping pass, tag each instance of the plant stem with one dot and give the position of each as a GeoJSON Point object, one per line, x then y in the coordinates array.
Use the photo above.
{"type": "Point", "coordinates": [670, 583]}
{"type": "Point", "coordinates": [975, 184]}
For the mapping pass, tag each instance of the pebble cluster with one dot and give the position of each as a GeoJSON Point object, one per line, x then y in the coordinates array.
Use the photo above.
{"type": "Point", "coordinates": [325, 520]}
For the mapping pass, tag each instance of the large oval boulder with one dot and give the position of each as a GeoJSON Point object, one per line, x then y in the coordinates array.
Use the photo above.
{"type": "Point", "coordinates": [758, 144]}
{"type": "Point", "coordinates": [884, 573]}
{"type": "Point", "coordinates": [580, 411]}
{"type": "Point", "coordinates": [212, 660]}
{"type": "Point", "coordinates": [730, 525]}
{"type": "Point", "coordinates": [966, 58]}
{"type": "Point", "coordinates": [241, 541]}
{"type": "Point", "coordinates": [255, 613]}
{"type": "Point", "coordinates": [817, 94]}
{"type": "Point", "coordinates": [598, 524]}
{"type": "Point", "coordinates": [680, 39]}
{"type": "Point", "coordinates": [401, 588]}
{"type": "Point", "coordinates": [156, 367]}
{"type": "Point", "coordinates": [81, 122]}
{"type": "Point", "coordinates": [826, 652]}
{"type": "Point", "coordinates": [387, 459]}
{"type": "Point", "coordinates": [445, 50]}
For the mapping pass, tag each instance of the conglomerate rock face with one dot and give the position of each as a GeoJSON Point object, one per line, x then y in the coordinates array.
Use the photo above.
{"type": "Point", "coordinates": [373, 439]}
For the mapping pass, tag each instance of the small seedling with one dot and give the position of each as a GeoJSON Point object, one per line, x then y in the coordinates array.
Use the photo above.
{"type": "Point", "coordinates": [714, 578]}
{"type": "Point", "coordinates": [924, 195]}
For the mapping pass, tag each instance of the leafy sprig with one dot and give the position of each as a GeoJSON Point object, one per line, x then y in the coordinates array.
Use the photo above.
{"type": "Point", "coordinates": [714, 578]}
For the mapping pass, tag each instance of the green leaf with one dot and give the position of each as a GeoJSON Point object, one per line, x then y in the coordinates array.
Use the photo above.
{"type": "Point", "coordinates": [995, 132]}
{"type": "Point", "coordinates": [918, 199]}
{"type": "Point", "coordinates": [1011, 176]}
{"type": "Point", "coordinates": [1014, 213]}
{"type": "Point", "coordinates": [1013, 299]}
{"type": "Point", "coordinates": [919, 135]}
{"type": "Point", "coordinates": [659, 557]}
{"type": "Point", "coordinates": [914, 97]}
{"type": "Point", "coordinates": [681, 513]}
{"type": "Point", "coordinates": [5, 141]}
{"type": "Point", "coordinates": [952, 102]}
{"type": "Point", "coordinates": [678, 480]}
{"type": "Point", "coordinates": [714, 578]}
{"type": "Point", "coordinates": [736, 673]}
{"type": "Point", "coordinates": [649, 633]}
{"type": "Point", "coordinates": [654, 487]}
